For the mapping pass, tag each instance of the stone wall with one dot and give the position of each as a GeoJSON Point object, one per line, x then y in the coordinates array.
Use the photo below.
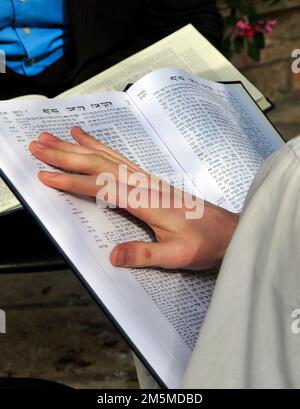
{"type": "Point", "coordinates": [273, 74]}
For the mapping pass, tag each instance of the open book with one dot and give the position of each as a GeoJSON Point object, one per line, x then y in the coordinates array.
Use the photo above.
{"type": "Point", "coordinates": [169, 122]}
{"type": "Point", "coordinates": [186, 49]}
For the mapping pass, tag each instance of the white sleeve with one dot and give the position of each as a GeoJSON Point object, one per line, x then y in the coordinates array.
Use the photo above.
{"type": "Point", "coordinates": [250, 336]}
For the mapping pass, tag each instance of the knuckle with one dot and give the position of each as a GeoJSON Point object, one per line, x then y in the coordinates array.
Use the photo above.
{"type": "Point", "coordinates": [147, 256]}
{"type": "Point", "coordinates": [141, 253]}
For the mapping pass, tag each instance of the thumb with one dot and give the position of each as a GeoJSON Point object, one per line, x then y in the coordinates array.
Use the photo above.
{"type": "Point", "coordinates": [143, 254]}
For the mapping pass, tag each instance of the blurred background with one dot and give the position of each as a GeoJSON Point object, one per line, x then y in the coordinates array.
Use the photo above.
{"type": "Point", "coordinates": [54, 330]}
{"type": "Point", "coordinates": [272, 74]}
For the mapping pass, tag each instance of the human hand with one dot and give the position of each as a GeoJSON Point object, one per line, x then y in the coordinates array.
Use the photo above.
{"type": "Point", "coordinates": [181, 242]}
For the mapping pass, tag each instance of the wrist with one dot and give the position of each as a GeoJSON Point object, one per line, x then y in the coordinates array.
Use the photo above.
{"type": "Point", "coordinates": [229, 223]}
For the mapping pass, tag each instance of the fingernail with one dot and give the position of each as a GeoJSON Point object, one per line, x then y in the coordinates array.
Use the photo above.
{"type": "Point", "coordinates": [39, 145]}
{"type": "Point", "coordinates": [122, 257]}
{"type": "Point", "coordinates": [48, 175]}
{"type": "Point", "coordinates": [49, 136]}
{"type": "Point", "coordinates": [79, 129]}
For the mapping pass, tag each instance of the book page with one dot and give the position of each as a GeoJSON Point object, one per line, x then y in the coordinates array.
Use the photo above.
{"type": "Point", "coordinates": [160, 311]}
{"type": "Point", "coordinates": [8, 202]}
{"type": "Point", "coordinates": [186, 49]}
{"type": "Point", "coordinates": [216, 131]}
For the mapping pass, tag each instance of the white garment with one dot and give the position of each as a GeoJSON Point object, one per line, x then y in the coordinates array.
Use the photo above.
{"type": "Point", "coordinates": [247, 338]}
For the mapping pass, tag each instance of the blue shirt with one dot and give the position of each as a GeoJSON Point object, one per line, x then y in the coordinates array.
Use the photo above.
{"type": "Point", "coordinates": [33, 33]}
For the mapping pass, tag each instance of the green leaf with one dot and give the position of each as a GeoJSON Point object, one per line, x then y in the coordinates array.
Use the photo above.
{"type": "Point", "coordinates": [238, 9]}
{"type": "Point", "coordinates": [259, 40]}
{"type": "Point", "coordinates": [253, 51]}
{"type": "Point", "coordinates": [238, 44]}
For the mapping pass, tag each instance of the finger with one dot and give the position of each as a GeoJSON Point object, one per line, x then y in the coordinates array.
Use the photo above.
{"type": "Point", "coordinates": [89, 185]}
{"type": "Point", "coordinates": [136, 195]}
{"type": "Point", "coordinates": [142, 254]}
{"type": "Point", "coordinates": [82, 163]}
{"type": "Point", "coordinates": [106, 176]}
{"type": "Point", "coordinates": [50, 140]}
{"type": "Point", "coordinates": [88, 141]}
{"type": "Point", "coordinates": [80, 184]}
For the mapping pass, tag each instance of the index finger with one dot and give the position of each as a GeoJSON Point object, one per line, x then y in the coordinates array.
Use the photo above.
{"type": "Point", "coordinates": [88, 141]}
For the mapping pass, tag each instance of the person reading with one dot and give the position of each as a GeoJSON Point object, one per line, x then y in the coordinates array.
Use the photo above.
{"type": "Point", "coordinates": [52, 46]}
{"type": "Point", "coordinates": [248, 339]}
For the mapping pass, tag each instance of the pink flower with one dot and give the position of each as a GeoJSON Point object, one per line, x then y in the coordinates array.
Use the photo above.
{"type": "Point", "coordinates": [249, 33]}
{"type": "Point", "coordinates": [244, 28]}
{"type": "Point", "coordinates": [269, 27]}
{"type": "Point", "coordinates": [242, 24]}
